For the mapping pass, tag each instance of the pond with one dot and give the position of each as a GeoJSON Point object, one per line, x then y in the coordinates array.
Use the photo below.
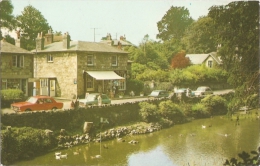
{"type": "Point", "coordinates": [184, 144]}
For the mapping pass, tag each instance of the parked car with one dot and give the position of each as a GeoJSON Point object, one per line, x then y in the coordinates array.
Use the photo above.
{"type": "Point", "coordinates": [203, 90]}
{"type": "Point", "coordinates": [181, 90]}
{"type": "Point", "coordinates": [92, 99]}
{"type": "Point", "coordinates": [36, 103]}
{"type": "Point", "coordinates": [158, 94]}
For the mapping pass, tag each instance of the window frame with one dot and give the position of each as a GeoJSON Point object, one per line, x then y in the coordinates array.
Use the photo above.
{"type": "Point", "coordinates": [49, 58]}
{"type": "Point", "coordinates": [18, 60]}
{"type": "Point", "coordinates": [90, 58]}
{"type": "Point", "coordinates": [90, 81]}
{"type": "Point", "coordinates": [114, 62]}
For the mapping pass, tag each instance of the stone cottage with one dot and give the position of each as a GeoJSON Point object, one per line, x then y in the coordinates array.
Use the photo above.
{"type": "Point", "coordinates": [16, 67]}
{"type": "Point", "coordinates": [209, 60]}
{"type": "Point", "coordinates": [74, 68]}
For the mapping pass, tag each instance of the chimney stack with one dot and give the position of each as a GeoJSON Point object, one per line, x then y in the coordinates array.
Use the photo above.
{"type": "Point", "coordinates": [39, 42]}
{"type": "Point", "coordinates": [66, 40]}
{"type": "Point", "coordinates": [17, 41]}
{"type": "Point", "coordinates": [48, 37]}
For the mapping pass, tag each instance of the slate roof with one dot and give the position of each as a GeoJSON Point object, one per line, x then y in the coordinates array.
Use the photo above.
{"type": "Point", "coordinates": [81, 46]}
{"type": "Point", "coordinates": [197, 59]}
{"type": "Point", "coordinates": [9, 48]}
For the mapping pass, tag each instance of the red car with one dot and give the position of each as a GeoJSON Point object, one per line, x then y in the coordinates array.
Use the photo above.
{"type": "Point", "coordinates": [37, 103]}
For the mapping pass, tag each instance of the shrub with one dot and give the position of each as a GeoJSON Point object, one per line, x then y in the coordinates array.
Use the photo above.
{"type": "Point", "coordinates": [134, 85]}
{"type": "Point", "coordinates": [148, 112]}
{"type": "Point", "coordinates": [216, 104]}
{"type": "Point", "coordinates": [11, 94]}
{"type": "Point", "coordinates": [22, 143]}
{"type": "Point", "coordinates": [169, 110]}
{"type": "Point", "coordinates": [200, 110]}
{"type": "Point", "coordinates": [165, 122]}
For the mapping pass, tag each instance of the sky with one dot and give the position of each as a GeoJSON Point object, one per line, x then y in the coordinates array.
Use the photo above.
{"type": "Point", "coordinates": [90, 20]}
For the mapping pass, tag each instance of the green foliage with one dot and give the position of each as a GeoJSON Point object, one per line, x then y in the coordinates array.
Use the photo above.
{"type": "Point", "coordinates": [148, 112]}
{"type": "Point", "coordinates": [174, 23]}
{"type": "Point", "coordinates": [6, 17]}
{"type": "Point", "coordinates": [236, 23]}
{"type": "Point", "coordinates": [156, 75]}
{"type": "Point", "coordinates": [198, 74]}
{"type": "Point", "coordinates": [31, 23]}
{"type": "Point", "coordinates": [134, 85]}
{"type": "Point", "coordinates": [215, 104]}
{"type": "Point", "coordinates": [169, 110]}
{"type": "Point", "coordinates": [199, 36]}
{"type": "Point", "coordinates": [11, 94]}
{"type": "Point", "coordinates": [22, 143]}
{"type": "Point", "coordinates": [246, 158]}
{"type": "Point", "coordinates": [200, 110]}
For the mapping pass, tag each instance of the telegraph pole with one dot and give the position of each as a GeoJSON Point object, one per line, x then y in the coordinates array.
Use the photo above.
{"type": "Point", "coordinates": [94, 33]}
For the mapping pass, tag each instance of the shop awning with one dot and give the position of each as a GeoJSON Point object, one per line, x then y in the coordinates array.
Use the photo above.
{"type": "Point", "coordinates": [104, 75]}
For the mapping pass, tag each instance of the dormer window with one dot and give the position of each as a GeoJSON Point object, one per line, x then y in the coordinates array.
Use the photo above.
{"type": "Point", "coordinates": [90, 60]}
{"type": "Point", "coordinates": [114, 60]}
{"type": "Point", "coordinates": [49, 58]}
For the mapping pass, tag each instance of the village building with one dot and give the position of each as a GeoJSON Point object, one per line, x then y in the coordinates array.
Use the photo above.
{"type": "Point", "coordinates": [209, 60]}
{"type": "Point", "coordinates": [74, 68]}
{"type": "Point", "coordinates": [16, 67]}
{"type": "Point", "coordinates": [121, 43]}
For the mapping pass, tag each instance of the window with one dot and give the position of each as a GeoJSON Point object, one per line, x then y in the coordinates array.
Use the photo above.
{"type": "Point", "coordinates": [210, 64]}
{"type": "Point", "coordinates": [90, 60]}
{"type": "Point", "coordinates": [90, 82]}
{"type": "Point", "coordinates": [4, 84]}
{"type": "Point", "coordinates": [121, 82]}
{"type": "Point", "coordinates": [49, 58]}
{"type": "Point", "coordinates": [114, 60]}
{"type": "Point", "coordinates": [18, 60]}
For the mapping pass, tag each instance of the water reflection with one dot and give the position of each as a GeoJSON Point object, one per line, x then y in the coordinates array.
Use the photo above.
{"type": "Point", "coordinates": [186, 144]}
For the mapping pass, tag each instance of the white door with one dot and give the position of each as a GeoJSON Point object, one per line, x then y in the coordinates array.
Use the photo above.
{"type": "Point", "coordinates": [44, 86]}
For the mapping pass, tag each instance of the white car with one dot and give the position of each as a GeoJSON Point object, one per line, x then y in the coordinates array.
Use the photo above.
{"type": "Point", "coordinates": [203, 90]}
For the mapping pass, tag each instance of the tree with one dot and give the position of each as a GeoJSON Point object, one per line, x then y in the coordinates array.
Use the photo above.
{"type": "Point", "coordinates": [238, 33]}
{"type": "Point", "coordinates": [6, 17]}
{"type": "Point", "coordinates": [180, 61]}
{"type": "Point", "coordinates": [199, 37]}
{"type": "Point", "coordinates": [31, 22]}
{"type": "Point", "coordinates": [174, 23]}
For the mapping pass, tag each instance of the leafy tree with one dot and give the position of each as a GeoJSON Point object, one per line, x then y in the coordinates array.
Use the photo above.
{"type": "Point", "coordinates": [31, 22]}
{"type": "Point", "coordinates": [196, 75]}
{"type": "Point", "coordinates": [174, 23]}
{"type": "Point", "coordinates": [180, 61]}
{"type": "Point", "coordinates": [238, 33]}
{"type": "Point", "coordinates": [6, 17]}
{"type": "Point", "coordinates": [156, 75]}
{"type": "Point", "coordinates": [199, 37]}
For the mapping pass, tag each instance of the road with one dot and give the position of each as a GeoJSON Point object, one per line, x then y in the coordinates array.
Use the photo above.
{"type": "Point", "coordinates": [67, 102]}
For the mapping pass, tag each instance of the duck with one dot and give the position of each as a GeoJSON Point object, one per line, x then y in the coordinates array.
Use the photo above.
{"type": "Point", "coordinates": [76, 153]}
{"type": "Point", "coordinates": [57, 157]}
{"type": "Point", "coordinates": [64, 155]}
{"type": "Point", "coordinates": [96, 156]}
{"type": "Point", "coordinates": [57, 153]}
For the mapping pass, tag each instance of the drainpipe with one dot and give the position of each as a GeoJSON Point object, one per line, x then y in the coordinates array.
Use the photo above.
{"type": "Point", "coordinates": [84, 82]}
